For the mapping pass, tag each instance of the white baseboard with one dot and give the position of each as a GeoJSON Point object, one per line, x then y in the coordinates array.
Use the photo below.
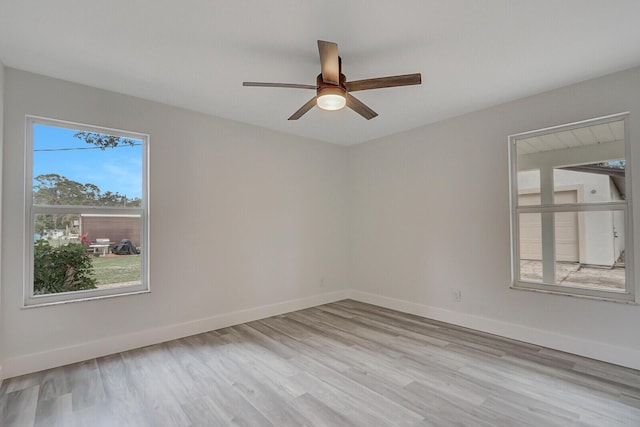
{"type": "Point", "coordinates": [62, 356]}
{"type": "Point", "coordinates": [88, 350]}
{"type": "Point", "coordinates": [595, 350]}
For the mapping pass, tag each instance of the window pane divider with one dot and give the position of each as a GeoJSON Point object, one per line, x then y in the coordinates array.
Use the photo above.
{"type": "Point", "coordinates": [574, 207]}
{"type": "Point", "coordinates": [36, 209]}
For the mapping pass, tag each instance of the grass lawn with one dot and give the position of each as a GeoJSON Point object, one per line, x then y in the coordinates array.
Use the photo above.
{"type": "Point", "coordinates": [116, 269]}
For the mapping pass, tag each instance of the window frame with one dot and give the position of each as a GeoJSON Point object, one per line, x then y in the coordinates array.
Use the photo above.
{"type": "Point", "coordinates": [628, 294]}
{"type": "Point", "coordinates": [31, 210]}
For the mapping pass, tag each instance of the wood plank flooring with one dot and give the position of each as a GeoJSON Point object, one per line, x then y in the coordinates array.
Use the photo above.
{"type": "Point", "coordinates": [340, 364]}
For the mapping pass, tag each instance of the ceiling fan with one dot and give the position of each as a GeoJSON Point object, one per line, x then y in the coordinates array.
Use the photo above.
{"type": "Point", "coordinates": [333, 91]}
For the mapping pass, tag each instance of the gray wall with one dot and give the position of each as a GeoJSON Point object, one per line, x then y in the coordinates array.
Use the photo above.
{"type": "Point", "coordinates": [430, 215]}
{"type": "Point", "coordinates": [240, 217]}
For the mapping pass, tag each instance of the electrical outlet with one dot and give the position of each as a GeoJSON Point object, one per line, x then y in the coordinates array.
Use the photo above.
{"type": "Point", "coordinates": [457, 295]}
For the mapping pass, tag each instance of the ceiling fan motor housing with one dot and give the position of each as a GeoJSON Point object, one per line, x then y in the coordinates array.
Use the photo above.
{"type": "Point", "coordinates": [329, 96]}
{"type": "Point", "coordinates": [340, 89]}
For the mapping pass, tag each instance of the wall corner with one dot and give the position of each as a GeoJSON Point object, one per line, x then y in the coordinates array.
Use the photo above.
{"type": "Point", "coordinates": [1, 269]}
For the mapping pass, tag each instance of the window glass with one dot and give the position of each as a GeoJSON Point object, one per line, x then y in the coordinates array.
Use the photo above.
{"type": "Point", "coordinates": [600, 182]}
{"type": "Point", "coordinates": [530, 247]}
{"type": "Point", "coordinates": [570, 209]}
{"type": "Point", "coordinates": [528, 183]}
{"type": "Point", "coordinates": [88, 212]}
{"type": "Point", "coordinates": [590, 250]}
{"type": "Point", "coordinates": [74, 167]}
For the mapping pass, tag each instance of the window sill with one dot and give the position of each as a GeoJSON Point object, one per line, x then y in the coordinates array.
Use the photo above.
{"type": "Point", "coordinates": [572, 294]}
{"type": "Point", "coordinates": [33, 304]}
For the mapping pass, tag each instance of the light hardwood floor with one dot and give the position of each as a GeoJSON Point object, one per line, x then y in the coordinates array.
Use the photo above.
{"type": "Point", "coordinates": [340, 364]}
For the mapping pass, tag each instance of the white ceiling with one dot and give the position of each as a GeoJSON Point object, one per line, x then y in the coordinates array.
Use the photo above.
{"type": "Point", "coordinates": [196, 53]}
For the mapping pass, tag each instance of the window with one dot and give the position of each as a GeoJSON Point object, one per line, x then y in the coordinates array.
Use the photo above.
{"type": "Point", "coordinates": [571, 209]}
{"type": "Point", "coordinates": [86, 228]}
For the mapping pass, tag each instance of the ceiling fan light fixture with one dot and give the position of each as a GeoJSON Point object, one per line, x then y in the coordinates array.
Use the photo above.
{"type": "Point", "coordinates": [331, 98]}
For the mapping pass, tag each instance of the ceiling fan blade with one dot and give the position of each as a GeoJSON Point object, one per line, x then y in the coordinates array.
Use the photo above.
{"type": "Point", "coordinates": [329, 62]}
{"type": "Point", "coordinates": [380, 82]}
{"type": "Point", "coordinates": [302, 110]}
{"type": "Point", "coordinates": [289, 85]}
{"type": "Point", "coordinates": [359, 107]}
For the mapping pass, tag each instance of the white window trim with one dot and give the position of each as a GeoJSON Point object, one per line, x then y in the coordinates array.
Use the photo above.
{"type": "Point", "coordinates": [30, 210]}
{"type": "Point", "coordinates": [628, 294]}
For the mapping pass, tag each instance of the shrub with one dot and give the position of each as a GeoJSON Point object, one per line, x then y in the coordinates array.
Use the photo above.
{"type": "Point", "coordinates": [65, 268]}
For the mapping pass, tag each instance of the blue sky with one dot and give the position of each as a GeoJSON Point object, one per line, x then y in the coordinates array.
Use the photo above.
{"type": "Point", "coordinates": [113, 169]}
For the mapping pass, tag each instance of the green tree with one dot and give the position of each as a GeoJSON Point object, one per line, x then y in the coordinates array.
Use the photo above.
{"type": "Point", "coordinates": [65, 268]}
{"type": "Point", "coordinates": [102, 140]}
{"type": "Point", "coordinates": [53, 189]}
{"type": "Point", "coordinates": [116, 199]}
